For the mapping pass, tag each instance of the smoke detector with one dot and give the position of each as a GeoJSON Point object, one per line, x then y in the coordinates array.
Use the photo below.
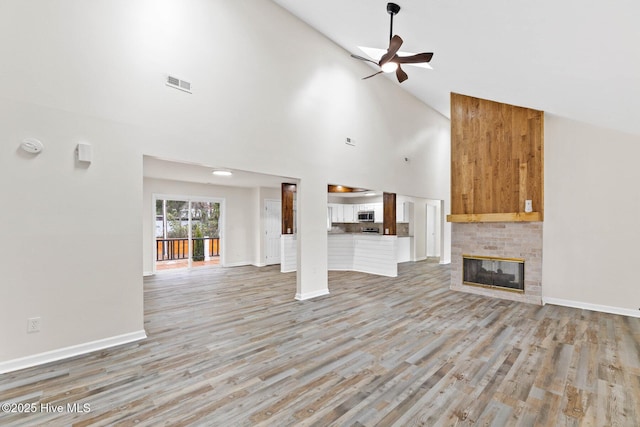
{"type": "Point", "coordinates": [32, 145]}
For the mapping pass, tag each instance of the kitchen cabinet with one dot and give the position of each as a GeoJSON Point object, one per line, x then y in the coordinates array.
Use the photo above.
{"type": "Point", "coordinates": [345, 213]}
{"type": "Point", "coordinates": [401, 212]}
{"type": "Point", "coordinates": [341, 213]}
{"type": "Point", "coordinates": [335, 215]}
{"type": "Point", "coordinates": [377, 209]}
{"type": "Point", "coordinates": [350, 213]}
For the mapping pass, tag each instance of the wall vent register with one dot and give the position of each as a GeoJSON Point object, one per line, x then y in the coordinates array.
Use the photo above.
{"type": "Point", "coordinates": [179, 84]}
{"type": "Point", "coordinates": [493, 272]}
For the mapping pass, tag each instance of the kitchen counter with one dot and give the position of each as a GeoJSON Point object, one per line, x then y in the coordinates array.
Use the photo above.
{"type": "Point", "coordinates": [359, 233]}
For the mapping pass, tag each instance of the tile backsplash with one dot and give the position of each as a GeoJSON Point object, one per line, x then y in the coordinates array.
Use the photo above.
{"type": "Point", "coordinates": [402, 228]}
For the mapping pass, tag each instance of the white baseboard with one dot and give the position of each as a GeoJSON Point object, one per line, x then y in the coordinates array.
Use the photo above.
{"type": "Point", "coordinates": [147, 273]}
{"type": "Point", "coordinates": [259, 264]}
{"type": "Point", "coordinates": [74, 350]}
{"type": "Point", "coordinates": [445, 261]}
{"type": "Point", "coordinates": [287, 270]}
{"type": "Point", "coordinates": [377, 273]}
{"type": "Point", "coordinates": [237, 264]}
{"type": "Point", "coordinates": [314, 294]}
{"type": "Point", "coordinates": [593, 307]}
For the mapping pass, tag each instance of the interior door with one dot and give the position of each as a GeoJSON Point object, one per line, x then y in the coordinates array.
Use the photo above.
{"type": "Point", "coordinates": [272, 224]}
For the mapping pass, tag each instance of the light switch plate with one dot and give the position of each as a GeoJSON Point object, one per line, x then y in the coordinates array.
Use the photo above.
{"type": "Point", "coordinates": [528, 206]}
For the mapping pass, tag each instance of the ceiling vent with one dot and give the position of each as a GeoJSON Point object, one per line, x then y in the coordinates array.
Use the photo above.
{"type": "Point", "coordinates": [176, 83]}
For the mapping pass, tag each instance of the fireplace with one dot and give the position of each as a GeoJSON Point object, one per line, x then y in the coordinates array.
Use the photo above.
{"type": "Point", "coordinates": [493, 272]}
{"type": "Point", "coordinates": [491, 240]}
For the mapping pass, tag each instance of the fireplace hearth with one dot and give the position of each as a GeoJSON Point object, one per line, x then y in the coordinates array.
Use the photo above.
{"type": "Point", "coordinates": [493, 272]}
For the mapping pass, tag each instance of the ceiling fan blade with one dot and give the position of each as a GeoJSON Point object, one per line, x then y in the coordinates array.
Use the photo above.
{"type": "Point", "coordinates": [362, 58]}
{"type": "Point", "coordinates": [413, 59]}
{"type": "Point", "coordinates": [394, 45]}
{"type": "Point", "coordinates": [400, 74]}
{"type": "Point", "coordinates": [375, 74]}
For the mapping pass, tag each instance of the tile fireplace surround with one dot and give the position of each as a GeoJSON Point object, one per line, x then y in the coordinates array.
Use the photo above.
{"type": "Point", "coordinates": [501, 239]}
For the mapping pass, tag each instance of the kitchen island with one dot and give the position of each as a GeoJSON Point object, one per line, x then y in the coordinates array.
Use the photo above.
{"type": "Point", "coordinates": [367, 253]}
{"type": "Point", "coordinates": [371, 253]}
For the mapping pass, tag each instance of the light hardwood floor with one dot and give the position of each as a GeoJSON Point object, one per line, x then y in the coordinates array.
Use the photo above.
{"type": "Point", "coordinates": [231, 347]}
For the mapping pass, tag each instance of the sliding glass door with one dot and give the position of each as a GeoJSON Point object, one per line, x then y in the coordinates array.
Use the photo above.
{"type": "Point", "coordinates": [187, 233]}
{"type": "Point", "coordinates": [205, 235]}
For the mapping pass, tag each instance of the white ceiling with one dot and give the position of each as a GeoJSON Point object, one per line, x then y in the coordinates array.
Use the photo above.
{"type": "Point", "coordinates": [172, 170]}
{"type": "Point", "coordinates": [189, 172]}
{"type": "Point", "coordinates": [575, 59]}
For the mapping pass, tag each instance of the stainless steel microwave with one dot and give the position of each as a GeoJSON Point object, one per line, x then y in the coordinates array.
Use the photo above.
{"type": "Point", "coordinates": [366, 216]}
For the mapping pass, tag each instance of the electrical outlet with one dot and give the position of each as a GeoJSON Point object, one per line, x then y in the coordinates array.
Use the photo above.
{"type": "Point", "coordinates": [33, 324]}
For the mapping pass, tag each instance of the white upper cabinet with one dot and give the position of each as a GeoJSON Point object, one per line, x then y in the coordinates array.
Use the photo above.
{"type": "Point", "coordinates": [350, 213]}
{"type": "Point", "coordinates": [344, 213]}
{"type": "Point", "coordinates": [377, 210]}
{"type": "Point", "coordinates": [401, 212]}
{"type": "Point", "coordinates": [336, 212]}
{"type": "Point", "coordinates": [341, 213]}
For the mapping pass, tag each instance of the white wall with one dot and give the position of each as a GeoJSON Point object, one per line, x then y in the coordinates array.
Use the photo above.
{"type": "Point", "coordinates": [73, 235]}
{"type": "Point", "coordinates": [591, 218]}
{"type": "Point", "coordinates": [269, 95]}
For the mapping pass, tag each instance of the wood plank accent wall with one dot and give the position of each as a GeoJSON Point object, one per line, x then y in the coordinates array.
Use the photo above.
{"type": "Point", "coordinates": [288, 193]}
{"type": "Point", "coordinates": [389, 213]}
{"type": "Point", "coordinates": [496, 161]}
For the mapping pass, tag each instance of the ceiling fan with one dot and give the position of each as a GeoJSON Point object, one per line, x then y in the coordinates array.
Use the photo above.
{"type": "Point", "coordinates": [391, 61]}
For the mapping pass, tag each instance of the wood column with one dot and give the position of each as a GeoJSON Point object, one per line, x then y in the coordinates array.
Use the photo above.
{"type": "Point", "coordinates": [288, 194]}
{"type": "Point", "coordinates": [389, 213]}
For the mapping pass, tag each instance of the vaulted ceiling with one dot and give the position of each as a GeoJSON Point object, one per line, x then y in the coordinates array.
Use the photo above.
{"type": "Point", "coordinates": [575, 59]}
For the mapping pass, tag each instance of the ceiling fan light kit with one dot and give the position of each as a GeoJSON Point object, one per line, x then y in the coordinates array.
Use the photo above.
{"type": "Point", "coordinates": [391, 61]}
{"type": "Point", "coordinates": [389, 67]}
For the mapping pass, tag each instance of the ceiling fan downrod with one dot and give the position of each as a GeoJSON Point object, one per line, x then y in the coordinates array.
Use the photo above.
{"type": "Point", "coordinates": [392, 9]}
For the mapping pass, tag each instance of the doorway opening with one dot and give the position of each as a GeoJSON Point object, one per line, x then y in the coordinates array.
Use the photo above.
{"type": "Point", "coordinates": [187, 232]}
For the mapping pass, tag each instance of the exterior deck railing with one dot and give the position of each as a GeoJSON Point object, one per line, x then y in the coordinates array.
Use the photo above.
{"type": "Point", "coordinates": [178, 248]}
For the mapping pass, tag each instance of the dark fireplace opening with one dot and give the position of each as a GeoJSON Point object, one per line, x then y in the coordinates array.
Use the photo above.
{"type": "Point", "coordinates": [493, 272]}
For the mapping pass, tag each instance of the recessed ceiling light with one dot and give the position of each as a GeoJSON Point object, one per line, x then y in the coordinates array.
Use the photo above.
{"type": "Point", "coordinates": [370, 194]}
{"type": "Point", "coordinates": [222, 172]}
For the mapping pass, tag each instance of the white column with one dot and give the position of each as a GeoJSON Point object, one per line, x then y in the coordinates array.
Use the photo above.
{"type": "Point", "coordinates": [311, 211]}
